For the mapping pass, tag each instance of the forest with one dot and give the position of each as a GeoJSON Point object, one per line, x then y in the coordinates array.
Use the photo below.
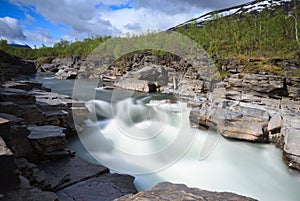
{"type": "Point", "coordinates": [266, 34]}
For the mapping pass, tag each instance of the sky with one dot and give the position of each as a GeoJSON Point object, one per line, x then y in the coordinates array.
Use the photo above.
{"type": "Point", "coordinates": [37, 22]}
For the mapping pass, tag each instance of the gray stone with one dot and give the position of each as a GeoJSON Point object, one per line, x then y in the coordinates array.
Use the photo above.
{"type": "Point", "coordinates": [47, 139]}
{"type": "Point", "coordinates": [69, 171]}
{"type": "Point", "coordinates": [146, 79]}
{"type": "Point", "coordinates": [291, 148]}
{"type": "Point", "coordinates": [105, 187]}
{"type": "Point", "coordinates": [275, 123]}
{"type": "Point", "coordinates": [177, 192]}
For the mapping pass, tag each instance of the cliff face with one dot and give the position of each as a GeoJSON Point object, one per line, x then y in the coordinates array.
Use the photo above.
{"type": "Point", "coordinates": [11, 66]}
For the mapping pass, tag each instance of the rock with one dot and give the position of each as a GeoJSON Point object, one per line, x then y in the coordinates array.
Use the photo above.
{"type": "Point", "coordinates": [68, 73]}
{"type": "Point", "coordinates": [177, 192]}
{"type": "Point", "coordinates": [23, 85]}
{"type": "Point", "coordinates": [32, 114]}
{"type": "Point", "coordinates": [232, 120]}
{"type": "Point", "coordinates": [146, 79]}
{"type": "Point", "coordinates": [36, 177]}
{"type": "Point", "coordinates": [47, 139]}
{"type": "Point", "coordinates": [291, 133]}
{"type": "Point", "coordinates": [17, 96]}
{"type": "Point", "coordinates": [29, 193]}
{"type": "Point", "coordinates": [69, 171]}
{"type": "Point", "coordinates": [12, 66]}
{"type": "Point", "coordinates": [265, 84]}
{"type": "Point", "coordinates": [274, 125]}
{"type": "Point", "coordinates": [293, 86]}
{"type": "Point", "coordinates": [137, 85]}
{"type": "Point", "coordinates": [49, 68]}
{"type": "Point", "coordinates": [9, 178]}
{"type": "Point", "coordinates": [5, 130]}
{"type": "Point", "coordinates": [9, 108]}
{"type": "Point", "coordinates": [20, 143]}
{"type": "Point", "coordinates": [104, 187]}
{"type": "Point", "coordinates": [6, 121]}
{"type": "Point", "coordinates": [55, 117]}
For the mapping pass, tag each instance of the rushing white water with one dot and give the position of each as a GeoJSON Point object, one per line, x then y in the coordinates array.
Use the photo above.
{"type": "Point", "coordinates": [135, 134]}
{"type": "Point", "coordinates": [250, 169]}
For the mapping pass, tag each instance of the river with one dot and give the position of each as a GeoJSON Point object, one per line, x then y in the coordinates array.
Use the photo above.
{"type": "Point", "coordinates": [164, 147]}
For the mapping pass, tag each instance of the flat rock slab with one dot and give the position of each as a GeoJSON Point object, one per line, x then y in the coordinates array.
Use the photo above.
{"type": "Point", "coordinates": [47, 138]}
{"type": "Point", "coordinates": [178, 192]}
{"type": "Point", "coordinates": [69, 171]}
{"type": "Point", "coordinates": [105, 187]}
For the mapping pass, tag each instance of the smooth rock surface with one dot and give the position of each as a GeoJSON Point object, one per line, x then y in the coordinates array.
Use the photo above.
{"type": "Point", "coordinates": [69, 171]}
{"type": "Point", "coordinates": [105, 187]}
{"type": "Point", "coordinates": [180, 192]}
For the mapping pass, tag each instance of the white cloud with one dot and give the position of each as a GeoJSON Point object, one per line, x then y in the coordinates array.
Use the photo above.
{"type": "Point", "coordinates": [10, 29]}
{"type": "Point", "coordinates": [38, 37]}
{"type": "Point", "coordinates": [94, 17]}
{"type": "Point", "coordinates": [180, 6]}
{"type": "Point", "coordinates": [80, 15]}
{"type": "Point", "coordinates": [128, 20]}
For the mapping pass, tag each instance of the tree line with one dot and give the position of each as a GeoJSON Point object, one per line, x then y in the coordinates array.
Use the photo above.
{"type": "Point", "coordinates": [269, 34]}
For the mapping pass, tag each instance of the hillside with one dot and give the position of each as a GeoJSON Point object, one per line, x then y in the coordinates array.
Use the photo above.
{"type": "Point", "coordinates": [263, 31]}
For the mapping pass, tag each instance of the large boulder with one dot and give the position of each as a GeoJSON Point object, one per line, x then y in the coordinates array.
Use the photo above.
{"type": "Point", "coordinates": [146, 79]}
{"type": "Point", "coordinates": [177, 192]}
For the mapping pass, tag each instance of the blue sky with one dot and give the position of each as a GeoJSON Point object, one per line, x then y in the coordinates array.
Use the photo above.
{"type": "Point", "coordinates": [37, 22]}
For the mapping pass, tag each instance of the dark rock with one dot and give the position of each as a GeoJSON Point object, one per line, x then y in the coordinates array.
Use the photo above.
{"type": "Point", "coordinates": [20, 143]}
{"type": "Point", "coordinates": [9, 178]}
{"type": "Point", "coordinates": [29, 193]}
{"type": "Point", "coordinates": [69, 171]}
{"type": "Point", "coordinates": [46, 139]}
{"type": "Point", "coordinates": [105, 187]}
{"type": "Point", "coordinates": [32, 114]}
{"type": "Point", "coordinates": [11, 66]}
{"type": "Point", "coordinates": [178, 192]}
{"type": "Point", "coordinates": [17, 96]}
{"type": "Point", "coordinates": [36, 177]}
{"type": "Point", "coordinates": [9, 108]}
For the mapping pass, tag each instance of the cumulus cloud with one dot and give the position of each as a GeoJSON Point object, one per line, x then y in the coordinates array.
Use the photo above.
{"type": "Point", "coordinates": [97, 17]}
{"type": "Point", "coordinates": [80, 15]}
{"type": "Point", "coordinates": [10, 29]}
{"type": "Point", "coordinates": [179, 6]}
{"type": "Point", "coordinates": [38, 37]}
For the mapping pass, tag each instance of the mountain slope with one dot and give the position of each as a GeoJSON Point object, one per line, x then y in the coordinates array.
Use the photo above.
{"type": "Point", "coordinates": [253, 7]}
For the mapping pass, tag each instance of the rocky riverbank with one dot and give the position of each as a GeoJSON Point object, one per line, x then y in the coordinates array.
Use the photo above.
{"type": "Point", "coordinates": [38, 165]}
{"type": "Point", "coordinates": [259, 107]}
{"type": "Point", "coordinates": [35, 159]}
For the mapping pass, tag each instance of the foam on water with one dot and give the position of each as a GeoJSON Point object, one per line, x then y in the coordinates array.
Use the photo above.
{"type": "Point", "coordinates": [205, 159]}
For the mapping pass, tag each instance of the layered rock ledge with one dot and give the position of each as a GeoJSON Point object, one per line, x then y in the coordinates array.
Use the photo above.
{"type": "Point", "coordinates": [35, 159]}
